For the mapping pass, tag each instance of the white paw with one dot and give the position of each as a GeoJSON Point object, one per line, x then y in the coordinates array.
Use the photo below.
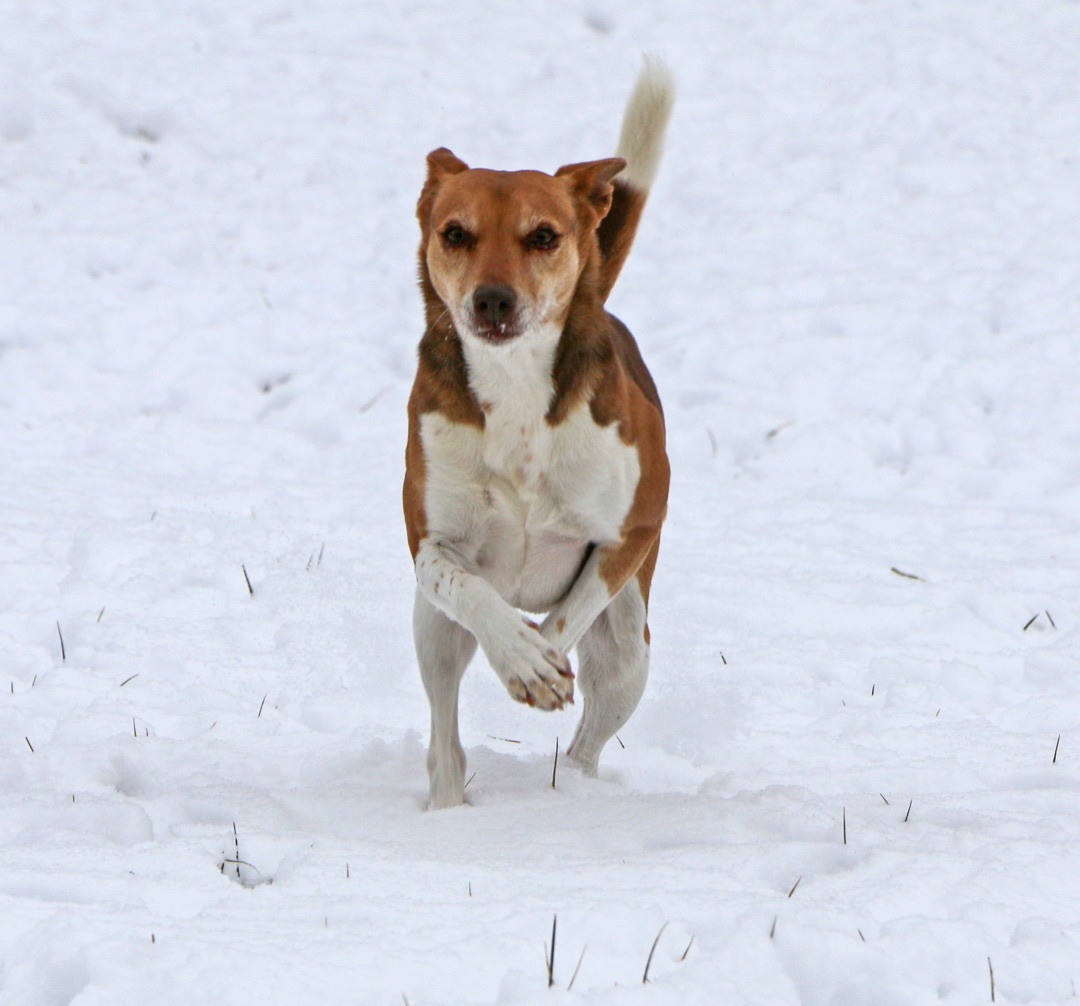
{"type": "Point", "coordinates": [533, 671]}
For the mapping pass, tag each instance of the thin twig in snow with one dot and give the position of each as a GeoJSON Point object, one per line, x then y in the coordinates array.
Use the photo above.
{"type": "Point", "coordinates": [648, 963]}
{"type": "Point", "coordinates": [247, 579]}
{"type": "Point", "coordinates": [906, 576]}
{"type": "Point", "coordinates": [63, 652]}
{"type": "Point", "coordinates": [573, 977]}
{"type": "Point", "coordinates": [1030, 622]}
{"type": "Point", "coordinates": [1056, 746]}
{"type": "Point", "coordinates": [236, 842]}
{"type": "Point", "coordinates": [551, 958]}
{"type": "Point", "coordinates": [126, 680]}
{"type": "Point", "coordinates": [990, 965]}
{"type": "Point", "coordinates": [261, 704]}
{"type": "Point", "coordinates": [29, 745]}
{"type": "Point", "coordinates": [793, 886]}
{"type": "Point", "coordinates": [555, 767]}
{"type": "Point", "coordinates": [370, 403]}
{"type": "Point", "coordinates": [777, 429]}
{"type": "Point", "coordinates": [908, 814]}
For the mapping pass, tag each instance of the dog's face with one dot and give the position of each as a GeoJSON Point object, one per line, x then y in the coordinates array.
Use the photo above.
{"type": "Point", "coordinates": [505, 249]}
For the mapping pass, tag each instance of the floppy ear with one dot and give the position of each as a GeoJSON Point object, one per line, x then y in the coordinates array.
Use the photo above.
{"type": "Point", "coordinates": [441, 164]}
{"type": "Point", "coordinates": [590, 183]}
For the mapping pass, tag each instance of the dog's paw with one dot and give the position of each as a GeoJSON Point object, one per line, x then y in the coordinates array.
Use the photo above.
{"type": "Point", "coordinates": [533, 671]}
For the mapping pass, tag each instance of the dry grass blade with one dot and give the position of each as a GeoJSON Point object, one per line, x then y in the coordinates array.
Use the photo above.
{"type": "Point", "coordinates": [551, 958]}
{"type": "Point", "coordinates": [906, 576]}
{"type": "Point", "coordinates": [652, 950]}
{"type": "Point", "coordinates": [573, 977]}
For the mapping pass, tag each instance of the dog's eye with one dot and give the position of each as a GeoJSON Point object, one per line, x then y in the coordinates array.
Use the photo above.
{"type": "Point", "coordinates": [543, 239]}
{"type": "Point", "coordinates": [455, 236]}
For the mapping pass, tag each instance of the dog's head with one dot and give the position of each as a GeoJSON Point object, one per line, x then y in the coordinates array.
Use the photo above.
{"type": "Point", "coordinates": [505, 250]}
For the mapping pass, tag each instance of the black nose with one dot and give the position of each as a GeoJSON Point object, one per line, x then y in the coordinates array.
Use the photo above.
{"type": "Point", "coordinates": [494, 304]}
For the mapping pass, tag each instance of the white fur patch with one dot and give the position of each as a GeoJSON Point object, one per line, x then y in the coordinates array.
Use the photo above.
{"type": "Point", "coordinates": [521, 500]}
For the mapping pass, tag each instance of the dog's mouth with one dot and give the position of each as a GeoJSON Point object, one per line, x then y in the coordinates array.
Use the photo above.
{"type": "Point", "coordinates": [496, 333]}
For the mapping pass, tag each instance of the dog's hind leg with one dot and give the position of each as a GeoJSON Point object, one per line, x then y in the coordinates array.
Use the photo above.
{"type": "Point", "coordinates": [613, 665]}
{"type": "Point", "coordinates": [443, 650]}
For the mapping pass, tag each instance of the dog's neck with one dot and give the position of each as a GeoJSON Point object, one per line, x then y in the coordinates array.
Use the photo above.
{"type": "Point", "coordinates": [515, 378]}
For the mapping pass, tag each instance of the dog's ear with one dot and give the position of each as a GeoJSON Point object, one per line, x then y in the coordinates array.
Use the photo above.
{"type": "Point", "coordinates": [441, 164]}
{"type": "Point", "coordinates": [590, 183]}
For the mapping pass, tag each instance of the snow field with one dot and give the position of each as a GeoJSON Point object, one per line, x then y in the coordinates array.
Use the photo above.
{"type": "Point", "coordinates": [856, 287]}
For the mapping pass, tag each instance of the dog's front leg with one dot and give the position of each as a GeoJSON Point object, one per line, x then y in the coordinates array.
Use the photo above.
{"type": "Point", "coordinates": [532, 669]}
{"type": "Point", "coordinates": [605, 616]}
{"type": "Point", "coordinates": [605, 573]}
{"type": "Point", "coordinates": [443, 651]}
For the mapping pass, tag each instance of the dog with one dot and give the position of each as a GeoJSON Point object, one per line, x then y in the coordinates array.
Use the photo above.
{"type": "Point", "coordinates": [536, 475]}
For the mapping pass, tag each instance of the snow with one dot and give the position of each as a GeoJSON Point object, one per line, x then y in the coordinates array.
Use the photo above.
{"type": "Point", "coordinates": [856, 285]}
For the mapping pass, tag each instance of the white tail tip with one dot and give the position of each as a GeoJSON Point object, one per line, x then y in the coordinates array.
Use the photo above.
{"type": "Point", "coordinates": [641, 142]}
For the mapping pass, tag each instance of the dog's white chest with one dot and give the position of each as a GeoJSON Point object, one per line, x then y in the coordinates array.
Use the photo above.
{"type": "Point", "coordinates": [522, 500]}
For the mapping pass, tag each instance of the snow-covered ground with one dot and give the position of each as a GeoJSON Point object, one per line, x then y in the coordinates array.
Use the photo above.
{"type": "Point", "coordinates": [858, 287]}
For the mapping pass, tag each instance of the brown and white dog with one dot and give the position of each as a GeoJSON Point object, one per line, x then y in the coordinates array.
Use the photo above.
{"type": "Point", "coordinates": [536, 475]}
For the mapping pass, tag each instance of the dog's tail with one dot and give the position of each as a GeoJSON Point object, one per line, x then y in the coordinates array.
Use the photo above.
{"type": "Point", "coordinates": [641, 144]}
